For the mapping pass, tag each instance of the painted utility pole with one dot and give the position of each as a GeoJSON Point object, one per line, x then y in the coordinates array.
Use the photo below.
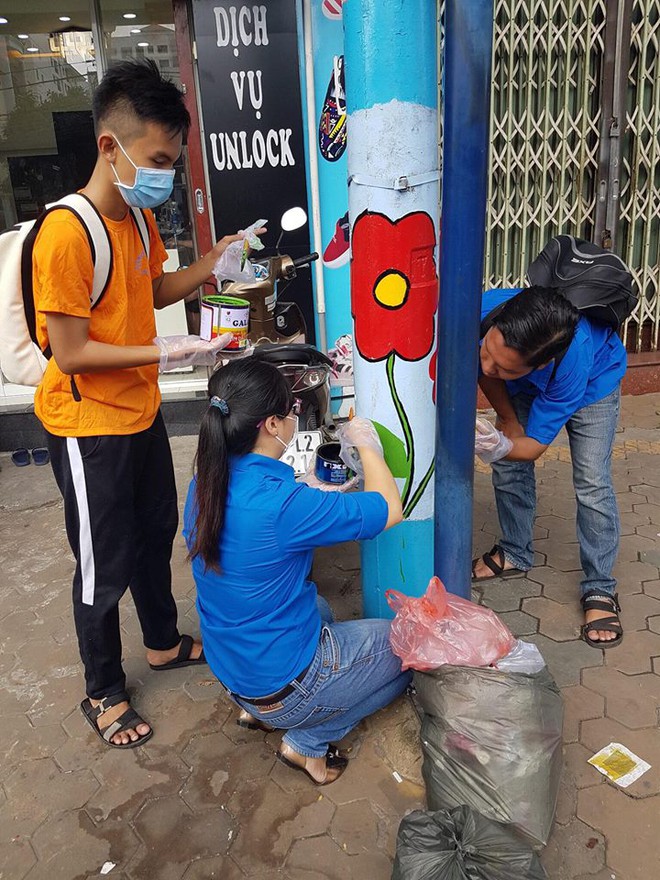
{"type": "Point", "coordinates": [392, 95]}
{"type": "Point", "coordinates": [467, 77]}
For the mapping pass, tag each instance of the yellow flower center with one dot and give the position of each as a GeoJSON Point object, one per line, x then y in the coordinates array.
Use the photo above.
{"type": "Point", "coordinates": [391, 289]}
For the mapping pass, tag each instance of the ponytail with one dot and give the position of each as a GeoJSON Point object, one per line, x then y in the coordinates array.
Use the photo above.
{"type": "Point", "coordinates": [212, 471]}
{"type": "Point", "coordinates": [242, 395]}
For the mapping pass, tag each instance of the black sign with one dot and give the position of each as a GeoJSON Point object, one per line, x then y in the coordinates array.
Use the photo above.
{"type": "Point", "coordinates": [247, 58]}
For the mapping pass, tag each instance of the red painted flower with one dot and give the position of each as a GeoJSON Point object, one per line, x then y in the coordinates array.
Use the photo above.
{"type": "Point", "coordinates": [433, 371]}
{"type": "Point", "coordinates": [394, 286]}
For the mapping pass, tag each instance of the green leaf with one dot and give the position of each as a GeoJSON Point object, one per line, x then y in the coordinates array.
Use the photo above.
{"type": "Point", "coordinates": [395, 452]}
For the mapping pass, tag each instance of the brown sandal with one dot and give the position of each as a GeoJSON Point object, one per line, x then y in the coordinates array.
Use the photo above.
{"type": "Point", "coordinates": [334, 760]}
{"type": "Point", "coordinates": [596, 601]}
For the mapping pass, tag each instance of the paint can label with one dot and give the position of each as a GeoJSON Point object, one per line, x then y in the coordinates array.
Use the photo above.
{"type": "Point", "coordinates": [225, 314]}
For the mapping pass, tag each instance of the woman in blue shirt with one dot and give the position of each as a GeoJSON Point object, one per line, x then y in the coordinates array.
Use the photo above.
{"type": "Point", "coordinates": [251, 531]}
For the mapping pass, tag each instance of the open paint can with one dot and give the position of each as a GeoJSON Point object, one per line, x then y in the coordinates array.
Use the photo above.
{"type": "Point", "coordinates": [225, 314]}
{"type": "Point", "coordinates": [329, 467]}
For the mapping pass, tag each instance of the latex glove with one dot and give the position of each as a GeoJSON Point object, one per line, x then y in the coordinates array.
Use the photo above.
{"type": "Point", "coordinates": [189, 351]}
{"type": "Point", "coordinates": [358, 432]}
{"type": "Point", "coordinates": [489, 443]}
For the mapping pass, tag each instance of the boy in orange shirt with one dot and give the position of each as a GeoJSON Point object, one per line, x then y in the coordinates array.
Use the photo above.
{"type": "Point", "coordinates": [99, 398]}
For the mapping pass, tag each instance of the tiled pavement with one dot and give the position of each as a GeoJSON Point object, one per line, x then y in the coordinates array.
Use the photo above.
{"type": "Point", "coordinates": [204, 799]}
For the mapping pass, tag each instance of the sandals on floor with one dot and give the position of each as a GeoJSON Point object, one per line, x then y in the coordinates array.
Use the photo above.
{"type": "Point", "coordinates": [496, 567]}
{"type": "Point", "coordinates": [251, 723]}
{"type": "Point", "coordinates": [129, 719]}
{"type": "Point", "coordinates": [183, 658]}
{"type": "Point", "coordinates": [597, 601]}
{"type": "Point", "coordinates": [334, 761]}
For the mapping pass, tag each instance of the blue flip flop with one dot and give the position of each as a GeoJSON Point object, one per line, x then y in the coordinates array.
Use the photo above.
{"type": "Point", "coordinates": [40, 456]}
{"type": "Point", "coordinates": [21, 457]}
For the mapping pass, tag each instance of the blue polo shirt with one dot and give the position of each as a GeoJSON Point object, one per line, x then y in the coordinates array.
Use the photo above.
{"type": "Point", "coordinates": [592, 367]}
{"type": "Point", "coordinates": [259, 619]}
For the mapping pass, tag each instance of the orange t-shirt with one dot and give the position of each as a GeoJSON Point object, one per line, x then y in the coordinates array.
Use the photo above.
{"type": "Point", "coordinates": [116, 401]}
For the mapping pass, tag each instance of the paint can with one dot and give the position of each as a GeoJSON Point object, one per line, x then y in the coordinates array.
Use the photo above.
{"type": "Point", "coordinates": [329, 468]}
{"type": "Point", "coordinates": [225, 314]}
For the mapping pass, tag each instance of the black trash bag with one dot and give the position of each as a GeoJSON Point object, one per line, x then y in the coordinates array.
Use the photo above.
{"type": "Point", "coordinates": [460, 844]}
{"type": "Point", "coordinates": [493, 740]}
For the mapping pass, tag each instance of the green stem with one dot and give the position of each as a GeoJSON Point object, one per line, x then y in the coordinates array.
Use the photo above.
{"type": "Point", "coordinates": [408, 509]}
{"type": "Point", "coordinates": [405, 425]}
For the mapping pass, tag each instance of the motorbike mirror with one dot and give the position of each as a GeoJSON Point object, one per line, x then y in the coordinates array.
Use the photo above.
{"type": "Point", "coordinates": [292, 219]}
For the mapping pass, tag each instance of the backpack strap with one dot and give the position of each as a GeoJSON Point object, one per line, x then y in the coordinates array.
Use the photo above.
{"type": "Point", "coordinates": [99, 242]}
{"type": "Point", "coordinates": [142, 228]}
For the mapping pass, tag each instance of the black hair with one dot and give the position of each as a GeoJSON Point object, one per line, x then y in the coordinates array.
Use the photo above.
{"type": "Point", "coordinates": [539, 322]}
{"type": "Point", "coordinates": [249, 391]}
{"type": "Point", "coordinates": [137, 88]}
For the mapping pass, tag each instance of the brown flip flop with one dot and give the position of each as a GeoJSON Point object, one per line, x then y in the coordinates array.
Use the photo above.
{"type": "Point", "coordinates": [496, 567]}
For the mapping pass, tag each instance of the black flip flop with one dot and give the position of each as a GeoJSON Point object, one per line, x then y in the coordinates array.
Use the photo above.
{"type": "Point", "coordinates": [129, 719]}
{"type": "Point", "coordinates": [596, 601]}
{"type": "Point", "coordinates": [21, 457]}
{"type": "Point", "coordinates": [183, 658]}
{"type": "Point", "coordinates": [334, 761]}
{"type": "Point", "coordinates": [496, 567]}
{"type": "Point", "coordinates": [40, 456]}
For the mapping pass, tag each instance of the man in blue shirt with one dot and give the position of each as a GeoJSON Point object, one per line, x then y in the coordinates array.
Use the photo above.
{"type": "Point", "coordinates": [544, 367]}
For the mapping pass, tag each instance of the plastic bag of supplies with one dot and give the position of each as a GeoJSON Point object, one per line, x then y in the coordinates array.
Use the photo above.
{"type": "Point", "coordinates": [438, 628]}
{"type": "Point", "coordinates": [460, 844]}
{"type": "Point", "coordinates": [493, 740]}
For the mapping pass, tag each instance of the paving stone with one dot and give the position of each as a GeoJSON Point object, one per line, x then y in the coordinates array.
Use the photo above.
{"type": "Point", "coordinates": [632, 522]}
{"type": "Point", "coordinates": [177, 718]}
{"type": "Point", "coordinates": [637, 609]}
{"type": "Point", "coordinates": [634, 700]}
{"type": "Point", "coordinates": [627, 502]}
{"type": "Point", "coordinates": [580, 703]}
{"type": "Point", "coordinates": [632, 576]}
{"type": "Point", "coordinates": [633, 547]}
{"type": "Point", "coordinates": [399, 744]}
{"type": "Point", "coordinates": [560, 586]}
{"type": "Point", "coordinates": [630, 827]}
{"type": "Point", "coordinates": [651, 512]}
{"type": "Point", "coordinates": [174, 836]}
{"type": "Point", "coordinates": [355, 828]}
{"type": "Point", "coordinates": [271, 819]}
{"type": "Point", "coordinates": [217, 868]}
{"type": "Point", "coordinates": [560, 554]}
{"type": "Point", "coordinates": [70, 845]}
{"type": "Point", "coordinates": [128, 778]}
{"type": "Point", "coordinates": [37, 788]}
{"type": "Point", "coordinates": [507, 595]}
{"type": "Point", "coordinates": [519, 623]}
{"type": "Point", "coordinates": [652, 557]}
{"type": "Point", "coordinates": [566, 659]}
{"type": "Point", "coordinates": [559, 622]}
{"type": "Point", "coordinates": [22, 742]}
{"type": "Point", "coordinates": [649, 531]}
{"type": "Point", "coordinates": [652, 588]}
{"type": "Point", "coordinates": [645, 743]}
{"type": "Point", "coordinates": [321, 859]}
{"type": "Point", "coordinates": [558, 527]}
{"type": "Point", "coordinates": [573, 848]}
{"type": "Point", "coordinates": [16, 857]}
{"type": "Point", "coordinates": [220, 767]}
{"type": "Point", "coordinates": [634, 653]}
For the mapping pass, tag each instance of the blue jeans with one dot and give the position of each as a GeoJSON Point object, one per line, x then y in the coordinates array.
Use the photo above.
{"type": "Point", "coordinates": [591, 433]}
{"type": "Point", "coordinates": [353, 674]}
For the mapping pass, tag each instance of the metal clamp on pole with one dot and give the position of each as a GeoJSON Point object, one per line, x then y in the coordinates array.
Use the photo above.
{"type": "Point", "coordinates": [402, 183]}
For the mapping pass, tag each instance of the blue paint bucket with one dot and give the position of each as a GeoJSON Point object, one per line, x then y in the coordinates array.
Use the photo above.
{"type": "Point", "coordinates": [329, 467]}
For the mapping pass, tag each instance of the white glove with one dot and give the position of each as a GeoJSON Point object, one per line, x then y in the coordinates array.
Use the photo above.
{"type": "Point", "coordinates": [189, 351]}
{"type": "Point", "coordinates": [489, 443]}
{"type": "Point", "coordinates": [358, 432]}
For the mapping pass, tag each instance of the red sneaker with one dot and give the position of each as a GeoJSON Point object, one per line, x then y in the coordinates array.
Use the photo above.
{"type": "Point", "coordinates": [338, 252]}
{"type": "Point", "coordinates": [332, 9]}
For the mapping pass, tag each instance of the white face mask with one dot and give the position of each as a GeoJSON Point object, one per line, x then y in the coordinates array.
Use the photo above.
{"type": "Point", "coordinates": [295, 431]}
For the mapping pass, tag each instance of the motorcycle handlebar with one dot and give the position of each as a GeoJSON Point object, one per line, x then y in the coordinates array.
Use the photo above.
{"type": "Point", "coordinates": [305, 261]}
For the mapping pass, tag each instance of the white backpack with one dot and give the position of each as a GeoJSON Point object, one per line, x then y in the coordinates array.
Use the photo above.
{"type": "Point", "coordinates": [21, 359]}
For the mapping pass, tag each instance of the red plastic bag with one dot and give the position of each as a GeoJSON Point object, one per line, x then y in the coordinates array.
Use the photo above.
{"type": "Point", "coordinates": [439, 628]}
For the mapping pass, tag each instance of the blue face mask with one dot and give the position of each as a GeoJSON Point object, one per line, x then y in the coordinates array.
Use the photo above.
{"type": "Point", "coordinates": [152, 186]}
